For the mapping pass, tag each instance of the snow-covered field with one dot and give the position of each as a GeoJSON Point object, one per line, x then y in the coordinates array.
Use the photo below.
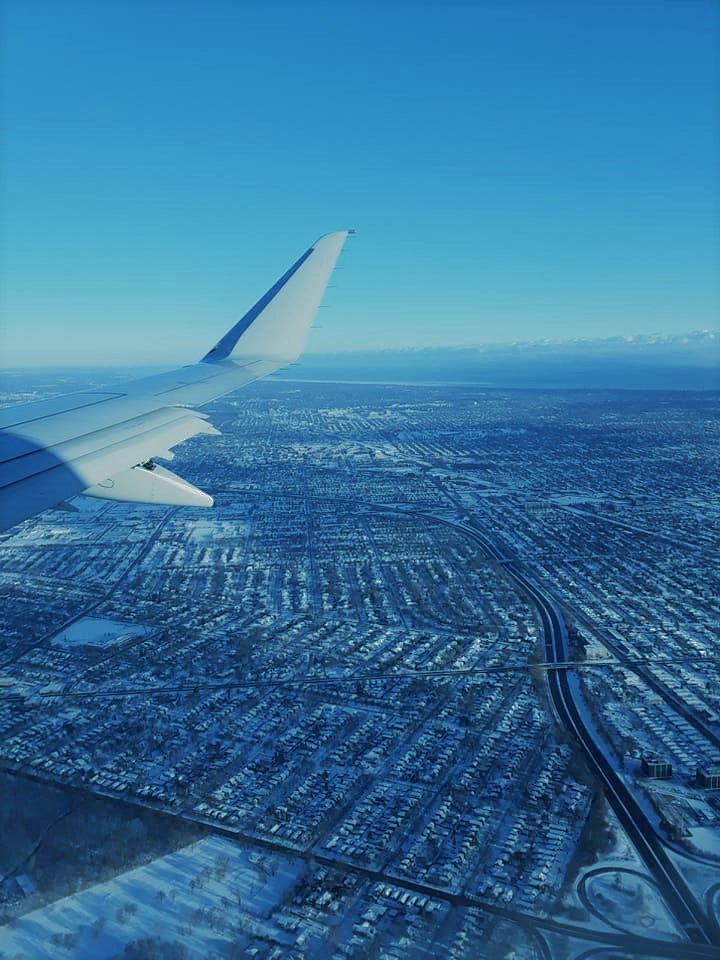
{"type": "Point", "coordinates": [93, 631]}
{"type": "Point", "coordinates": [207, 894]}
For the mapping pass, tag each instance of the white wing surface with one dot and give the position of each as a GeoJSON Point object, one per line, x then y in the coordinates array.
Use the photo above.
{"type": "Point", "coordinates": [101, 443]}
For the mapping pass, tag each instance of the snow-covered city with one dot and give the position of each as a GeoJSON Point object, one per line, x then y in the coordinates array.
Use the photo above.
{"type": "Point", "coordinates": [438, 675]}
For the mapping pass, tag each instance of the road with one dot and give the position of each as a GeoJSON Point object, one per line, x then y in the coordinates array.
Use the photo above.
{"type": "Point", "coordinates": [698, 926]}
{"type": "Point", "coordinates": [640, 667]}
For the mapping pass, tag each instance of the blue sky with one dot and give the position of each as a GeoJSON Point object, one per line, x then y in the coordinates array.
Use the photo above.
{"type": "Point", "coordinates": [515, 170]}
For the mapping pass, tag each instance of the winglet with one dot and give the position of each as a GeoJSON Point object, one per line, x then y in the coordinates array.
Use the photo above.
{"type": "Point", "coordinates": [276, 327]}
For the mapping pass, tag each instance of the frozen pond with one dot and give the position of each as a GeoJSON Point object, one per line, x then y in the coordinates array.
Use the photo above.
{"type": "Point", "coordinates": [96, 632]}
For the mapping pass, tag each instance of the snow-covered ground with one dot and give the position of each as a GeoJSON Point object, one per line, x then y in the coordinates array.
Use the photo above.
{"type": "Point", "coordinates": [201, 531]}
{"type": "Point", "coordinates": [207, 894]}
{"type": "Point", "coordinates": [628, 901]}
{"type": "Point", "coordinates": [96, 632]}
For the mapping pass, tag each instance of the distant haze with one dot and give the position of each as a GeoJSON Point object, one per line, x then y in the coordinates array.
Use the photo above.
{"type": "Point", "coordinates": [686, 362]}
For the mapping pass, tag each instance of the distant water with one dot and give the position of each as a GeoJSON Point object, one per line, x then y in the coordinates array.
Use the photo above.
{"type": "Point", "coordinates": [690, 364]}
{"type": "Point", "coordinates": [642, 363]}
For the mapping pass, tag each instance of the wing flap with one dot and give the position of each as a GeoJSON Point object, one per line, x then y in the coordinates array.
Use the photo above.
{"type": "Point", "coordinates": [31, 456]}
{"type": "Point", "coordinates": [61, 479]}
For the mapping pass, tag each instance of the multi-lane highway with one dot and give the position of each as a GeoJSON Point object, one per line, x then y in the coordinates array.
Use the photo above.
{"type": "Point", "coordinates": [689, 914]}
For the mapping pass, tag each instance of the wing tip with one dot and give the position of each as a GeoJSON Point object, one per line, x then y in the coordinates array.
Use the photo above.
{"type": "Point", "coordinates": [336, 234]}
{"type": "Point", "coordinates": [324, 251]}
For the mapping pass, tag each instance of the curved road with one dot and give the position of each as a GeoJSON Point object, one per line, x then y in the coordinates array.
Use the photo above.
{"type": "Point", "coordinates": [691, 917]}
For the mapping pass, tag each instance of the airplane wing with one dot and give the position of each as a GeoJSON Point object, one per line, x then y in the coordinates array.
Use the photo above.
{"type": "Point", "coordinates": [101, 442]}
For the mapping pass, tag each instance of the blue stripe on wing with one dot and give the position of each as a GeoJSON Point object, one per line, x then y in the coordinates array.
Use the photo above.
{"type": "Point", "coordinates": [225, 346]}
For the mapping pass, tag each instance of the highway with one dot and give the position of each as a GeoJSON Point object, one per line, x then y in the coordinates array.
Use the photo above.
{"type": "Point", "coordinates": [640, 667]}
{"type": "Point", "coordinates": [698, 926]}
{"type": "Point", "coordinates": [702, 932]}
